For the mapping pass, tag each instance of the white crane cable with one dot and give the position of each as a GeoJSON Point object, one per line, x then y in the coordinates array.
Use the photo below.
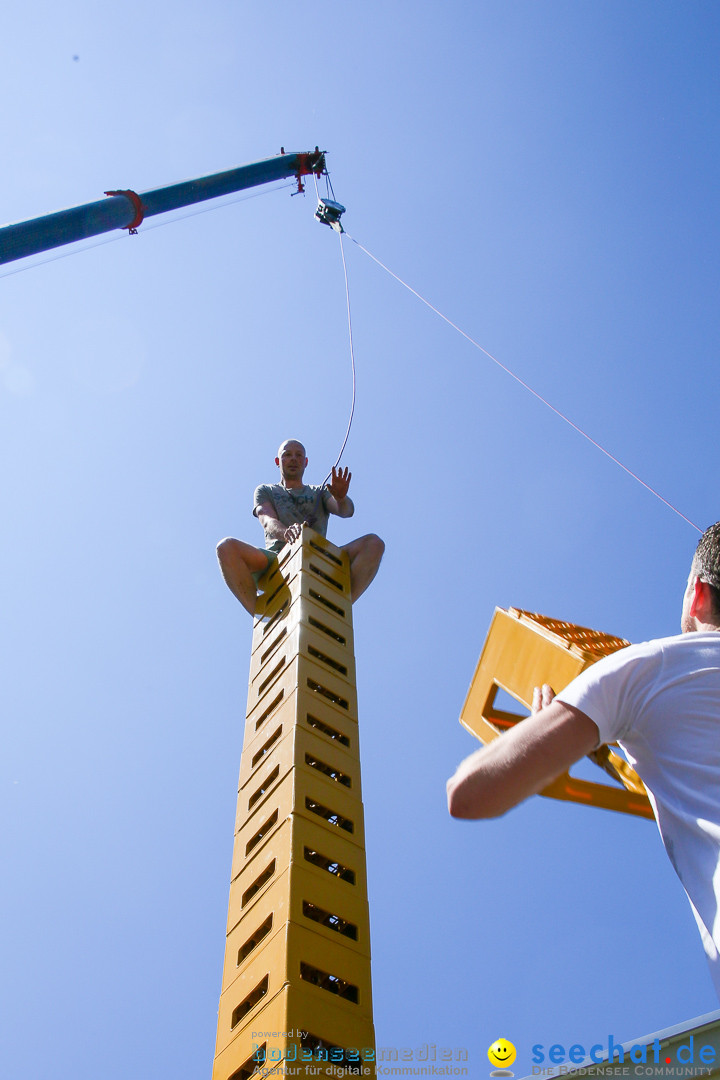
{"type": "Point", "coordinates": [527, 387]}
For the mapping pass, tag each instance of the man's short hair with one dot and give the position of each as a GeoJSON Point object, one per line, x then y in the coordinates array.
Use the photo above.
{"type": "Point", "coordinates": [706, 562]}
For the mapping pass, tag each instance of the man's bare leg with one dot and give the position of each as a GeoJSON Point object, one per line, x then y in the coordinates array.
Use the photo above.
{"type": "Point", "coordinates": [365, 555]}
{"type": "Point", "coordinates": [238, 561]}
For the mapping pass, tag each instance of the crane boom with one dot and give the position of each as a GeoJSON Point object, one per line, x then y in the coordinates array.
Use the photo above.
{"type": "Point", "coordinates": [126, 209]}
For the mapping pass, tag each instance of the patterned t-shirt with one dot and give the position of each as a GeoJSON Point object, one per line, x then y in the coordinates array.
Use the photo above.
{"type": "Point", "coordinates": [294, 505]}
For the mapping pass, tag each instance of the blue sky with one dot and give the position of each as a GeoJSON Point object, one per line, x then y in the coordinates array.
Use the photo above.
{"type": "Point", "coordinates": [545, 173]}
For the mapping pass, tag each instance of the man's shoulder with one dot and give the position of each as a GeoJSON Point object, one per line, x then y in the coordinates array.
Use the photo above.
{"type": "Point", "coordinates": [676, 644]}
{"type": "Point", "coordinates": [267, 490]}
{"type": "Point", "coordinates": [639, 653]}
{"type": "Point", "coordinates": [645, 659]}
{"type": "Point", "coordinates": [689, 652]}
{"type": "Point", "coordinates": [264, 493]}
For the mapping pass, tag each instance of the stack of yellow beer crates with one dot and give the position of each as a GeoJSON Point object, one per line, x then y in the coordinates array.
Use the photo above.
{"type": "Point", "coordinates": [296, 989]}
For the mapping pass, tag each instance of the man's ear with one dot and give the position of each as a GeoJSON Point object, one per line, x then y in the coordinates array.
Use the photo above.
{"type": "Point", "coordinates": [701, 605]}
{"type": "Point", "coordinates": [277, 462]}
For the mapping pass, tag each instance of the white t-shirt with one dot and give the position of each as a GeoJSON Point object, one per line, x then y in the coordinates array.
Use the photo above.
{"type": "Point", "coordinates": [661, 702]}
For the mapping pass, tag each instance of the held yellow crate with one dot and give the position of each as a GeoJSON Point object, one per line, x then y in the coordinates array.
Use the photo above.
{"type": "Point", "coordinates": [523, 650]}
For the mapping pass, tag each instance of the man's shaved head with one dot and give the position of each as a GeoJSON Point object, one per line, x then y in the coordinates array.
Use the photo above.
{"type": "Point", "coordinates": [291, 442]}
{"type": "Point", "coordinates": [292, 462]}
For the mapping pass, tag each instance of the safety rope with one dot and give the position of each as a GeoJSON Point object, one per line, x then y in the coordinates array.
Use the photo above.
{"type": "Point", "coordinates": [526, 386]}
{"type": "Point", "coordinates": [352, 362]}
{"type": "Point", "coordinates": [329, 186]}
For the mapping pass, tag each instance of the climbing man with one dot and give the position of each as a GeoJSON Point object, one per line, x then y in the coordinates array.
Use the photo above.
{"type": "Point", "coordinates": [661, 701]}
{"type": "Point", "coordinates": [282, 509]}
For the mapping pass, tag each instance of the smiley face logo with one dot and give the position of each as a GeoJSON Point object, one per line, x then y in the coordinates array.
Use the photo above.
{"type": "Point", "coordinates": [502, 1053]}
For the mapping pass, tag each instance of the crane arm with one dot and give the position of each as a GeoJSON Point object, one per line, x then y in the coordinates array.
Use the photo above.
{"type": "Point", "coordinates": [125, 209]}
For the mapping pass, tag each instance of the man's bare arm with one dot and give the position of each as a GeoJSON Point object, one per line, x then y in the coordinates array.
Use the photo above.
{"type": "Point", "coordinates": [274, 528]}
{"type": "Point", "coordinates": [521, 762]}
{"type": "Point", "coordinates": [339, 503]}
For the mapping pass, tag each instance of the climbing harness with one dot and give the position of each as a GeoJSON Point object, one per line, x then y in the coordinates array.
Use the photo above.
{"type": "Point", "coordinates": [329, 213]}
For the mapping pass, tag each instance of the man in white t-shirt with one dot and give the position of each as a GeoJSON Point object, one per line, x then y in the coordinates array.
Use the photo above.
{"type": "Point", "coordinates": [282, 509]}
{"type": "Point", "coordinates": [661, 702]}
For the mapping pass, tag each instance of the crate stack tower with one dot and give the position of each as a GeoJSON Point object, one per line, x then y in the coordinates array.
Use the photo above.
{"type": "Point", "coordinates": [296, 988]}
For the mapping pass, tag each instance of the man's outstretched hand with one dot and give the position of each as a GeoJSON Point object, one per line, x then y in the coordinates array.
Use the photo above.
{"type": "Point", "coordinates": [339, 484]}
